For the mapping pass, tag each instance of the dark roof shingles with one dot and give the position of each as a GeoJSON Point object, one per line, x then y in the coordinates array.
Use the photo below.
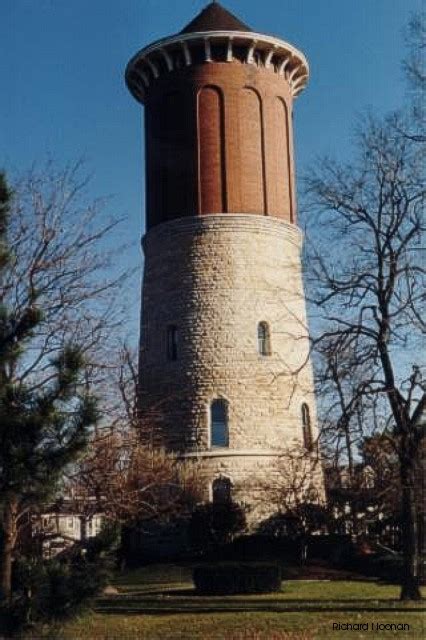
{"type": "Point", "coordinates": [215, 18]}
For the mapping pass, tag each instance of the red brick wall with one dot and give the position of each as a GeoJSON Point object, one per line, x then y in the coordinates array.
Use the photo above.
{"type": "Point", "coordinates": [211, 151]}
{"type": "Point", "coordinates": [251, 146]}
{"type": "Point", "coordinates": [219, 140]}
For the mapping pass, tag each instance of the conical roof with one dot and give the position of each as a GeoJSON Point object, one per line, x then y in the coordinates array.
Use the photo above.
{"type": "Point", "coordinates": [215, 18]}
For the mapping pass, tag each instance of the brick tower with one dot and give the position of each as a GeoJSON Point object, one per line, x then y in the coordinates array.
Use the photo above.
{"type": "Point", "coordinates": [224, 355]}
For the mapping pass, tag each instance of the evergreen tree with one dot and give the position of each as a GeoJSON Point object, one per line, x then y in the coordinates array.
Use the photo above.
{"type": "Point", "coordinates": [42, 428]}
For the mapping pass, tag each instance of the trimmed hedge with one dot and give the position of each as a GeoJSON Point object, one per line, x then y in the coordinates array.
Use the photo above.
{"type": "Point", "coordinates": [227, 578]}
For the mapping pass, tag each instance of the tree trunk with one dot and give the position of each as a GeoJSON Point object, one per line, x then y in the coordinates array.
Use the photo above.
{"type": "Point", "coordinates": [353, 504]}
{"type": "Point", "coordinates": [10, 534]}
{"type": "Point", "coordinates": [410, 589]}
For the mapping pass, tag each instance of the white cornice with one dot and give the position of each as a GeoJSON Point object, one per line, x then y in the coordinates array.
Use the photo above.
{"type": "Point", "coordinates": [293, 65]}
{"type": "Point", "coordinates": [281, 46]}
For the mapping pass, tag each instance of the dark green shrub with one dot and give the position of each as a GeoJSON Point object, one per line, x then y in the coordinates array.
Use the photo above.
{"type": "Point", "coordinates": [69, 588]}
{"type": "Point", "coordinates": [50, 590]}
{"type": "Point", "coordinates": [215, 524]}
{"type": "Point", "coordinates": [232, 577]}
{"type": "Point", "coordinates": [387, 566]}
{"type": "Point", "coordinates": [256, 548]}
{"type": "Point", "coordinates": [422, 570]}
{"type": "Point", "coordinates": [344, 555]}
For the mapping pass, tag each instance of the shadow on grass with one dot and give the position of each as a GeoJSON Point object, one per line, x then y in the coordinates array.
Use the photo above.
{"type": "Point", "coordinates": [157, 602]}
{"type": "Point", "coordinates": [178, 610]}
{"type": "Point", "coordinates": [190, 593]}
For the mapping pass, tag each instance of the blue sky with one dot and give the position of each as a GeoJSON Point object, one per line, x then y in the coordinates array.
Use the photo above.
{"type": "Point", "coordinates": [63, 91]}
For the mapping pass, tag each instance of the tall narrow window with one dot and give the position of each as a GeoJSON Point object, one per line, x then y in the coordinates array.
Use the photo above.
{"type": "Point", "coordinates": [306, 424]}
{"type": "Point", "coordinates": [219, 424]}
{"type": "Point", "coordinates": [221, 490]}
{"type": "Point", "coordinates": [263, 339]}
{"type": "Point", "coordinates": [172, 342]}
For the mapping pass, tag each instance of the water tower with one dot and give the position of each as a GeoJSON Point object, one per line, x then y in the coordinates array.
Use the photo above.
{"type": "Point", "coordinates": [224, 352]}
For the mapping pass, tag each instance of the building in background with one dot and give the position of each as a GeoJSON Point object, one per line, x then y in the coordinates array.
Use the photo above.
{"type": "Point", "coordinates": [59, 526]}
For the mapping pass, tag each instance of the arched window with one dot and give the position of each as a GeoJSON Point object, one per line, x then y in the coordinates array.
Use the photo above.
{"type": "Point", "coordinates": [306, 424]}
{"type": "Point", "coordinates": [219, 424]}
{"type": "Point", "coordinates": [221, 491]}
{"type": "Point", "coordinates": [263, 339]}
{"type": "Point", "coordinates": [172, 342]}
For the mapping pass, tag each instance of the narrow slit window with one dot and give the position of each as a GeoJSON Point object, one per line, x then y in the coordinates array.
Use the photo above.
{"type": "Point", "coordinates": [219, 424]}
{"type": "Point", "coordinates": [263, 339]}
{"type": "Point", "coordinates": [306, 425]}
{"type": "Point", "coordinates": [172, 342]}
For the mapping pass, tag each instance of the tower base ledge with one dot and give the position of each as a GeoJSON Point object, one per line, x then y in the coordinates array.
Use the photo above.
{"type": "Point", "coordinates": [227, 453]}
{"type": "Point", "coordinates": [231, 222]}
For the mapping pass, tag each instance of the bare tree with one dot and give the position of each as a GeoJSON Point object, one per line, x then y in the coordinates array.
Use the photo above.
{"type": "Point", "coordinates": [63, 265]}
{"type": "Point", "coordinates": [366, 277]}
{"type": "Point", "coordinates": [295, 492]}
{"type": "Point", "coordinates": [131, 483]}
{"type": "Point", "coordinates": [379, 455]}
{"type": "Point", "coordinates": [348, 413]}
{"type": "Point", "coordinates": [340, 393]}
{"type": "Point", "coordinates": [122, 475]}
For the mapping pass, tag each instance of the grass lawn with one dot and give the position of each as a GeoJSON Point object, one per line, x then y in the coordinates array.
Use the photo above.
{"type": "Point", "coordinates": [159, 602]}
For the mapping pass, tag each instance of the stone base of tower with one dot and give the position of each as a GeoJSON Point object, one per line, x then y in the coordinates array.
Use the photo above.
{"type": "Point", "coordinates": [263, 482]}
